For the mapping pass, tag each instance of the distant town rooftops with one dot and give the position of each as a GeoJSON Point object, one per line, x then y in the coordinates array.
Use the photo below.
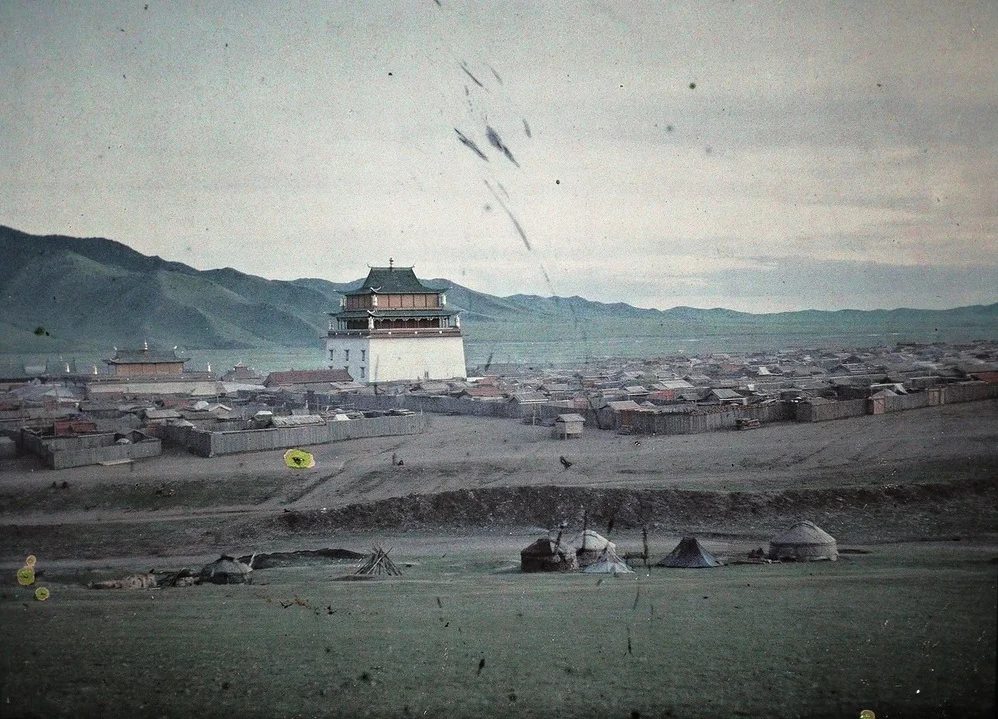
{"type": "Point", "coordinates": [392, 279]}
{"type": "Point", "coordinates": [306, 376]}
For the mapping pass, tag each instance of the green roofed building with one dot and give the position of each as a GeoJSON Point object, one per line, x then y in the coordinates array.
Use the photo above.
{"type": "Point", "coordinates": [393, 327]}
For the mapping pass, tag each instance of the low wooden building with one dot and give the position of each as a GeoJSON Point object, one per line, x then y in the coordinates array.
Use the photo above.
{"type": "Point", "coordinates": [568, 426]}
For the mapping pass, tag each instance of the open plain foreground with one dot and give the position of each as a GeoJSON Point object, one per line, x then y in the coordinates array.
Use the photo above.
{"type": "Point", "coordinates": [903, 624]}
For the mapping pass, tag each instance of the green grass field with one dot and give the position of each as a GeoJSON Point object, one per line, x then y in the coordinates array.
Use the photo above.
{"type": "Point", "coordinates": [908, 630]}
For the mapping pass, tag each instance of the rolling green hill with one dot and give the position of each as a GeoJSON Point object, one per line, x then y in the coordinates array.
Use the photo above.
{"type": "Point", "coordinates": [63, 293]}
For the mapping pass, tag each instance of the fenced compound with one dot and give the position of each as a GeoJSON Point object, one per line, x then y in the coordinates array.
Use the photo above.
{"type": "Point", "coordinates": [827, 410]}
{"type": "Point", "coordinates": [84, 450]}
{"type": "Point", "coordinates": [207, 443]}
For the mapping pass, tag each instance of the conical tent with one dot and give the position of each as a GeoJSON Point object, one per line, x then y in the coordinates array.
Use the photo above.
{"type": "Point", "coordinates": [803, 542]}
{"type": "Point", "coordinates": [608, 563]}
{"type": "Point", "coordinates": [548, 555]}
{"type": "Point", "coordinates": [689, 554]}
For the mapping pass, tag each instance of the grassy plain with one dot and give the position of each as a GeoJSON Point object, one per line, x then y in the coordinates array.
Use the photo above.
{"type": "Point", "coordinates": [907, 630]}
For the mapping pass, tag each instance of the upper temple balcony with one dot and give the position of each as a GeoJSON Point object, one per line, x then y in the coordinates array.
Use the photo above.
{"type": "Point", "coordinates": [393, 301]}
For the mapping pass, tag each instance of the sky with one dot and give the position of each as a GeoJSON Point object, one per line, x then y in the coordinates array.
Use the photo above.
{"type": "Point", "coordinates": [756, 156]}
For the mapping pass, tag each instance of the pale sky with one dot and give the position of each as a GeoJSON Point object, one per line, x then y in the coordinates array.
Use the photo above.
{"type": "Point", "coordinates": [756, 156]}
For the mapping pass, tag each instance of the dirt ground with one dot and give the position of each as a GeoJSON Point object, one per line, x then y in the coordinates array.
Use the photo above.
{"type": "Point", "coordinates": [922, 474]}
{"type": "Point", "coordinates": [906, 627]}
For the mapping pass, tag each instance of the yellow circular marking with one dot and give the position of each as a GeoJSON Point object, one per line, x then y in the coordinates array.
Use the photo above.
{"type": "Point", "coordinates": [867, 714]}
{"type": "Point", "coordinates": [30, 561]}
{"type": "Point", "coordinates": [299, 459]}
{"type": "Point", "coordinates": [41, 594]}
{"type": "Point", "coordinates": [25, 576]}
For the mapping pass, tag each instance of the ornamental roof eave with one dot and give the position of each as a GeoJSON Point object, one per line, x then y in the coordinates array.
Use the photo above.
{"type": "Point", "coordinates": [393, 313]}
{"type": "Point", "coordinates": [145, 357]}
{"type": "Point", "coordinates": [394, 280]}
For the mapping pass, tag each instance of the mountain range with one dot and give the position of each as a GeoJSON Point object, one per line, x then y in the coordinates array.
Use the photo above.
{"type": "Point", "coordinates": [65, 293]}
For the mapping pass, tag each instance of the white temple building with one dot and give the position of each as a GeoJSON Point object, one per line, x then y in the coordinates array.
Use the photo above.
{"type": "Point", "coordinates": [395, 328]}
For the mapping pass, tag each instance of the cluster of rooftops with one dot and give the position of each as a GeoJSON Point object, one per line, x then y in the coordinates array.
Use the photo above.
{"type": "Point", "coordinates": [722, 378]}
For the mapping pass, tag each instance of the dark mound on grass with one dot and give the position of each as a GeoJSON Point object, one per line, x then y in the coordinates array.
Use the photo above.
{"type": "Point", "coordinates": [301, 557]}
{"type": "Point", "coordinates": [887, 512]}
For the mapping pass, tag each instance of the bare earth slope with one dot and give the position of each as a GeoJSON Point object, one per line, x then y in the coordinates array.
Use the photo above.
{"type": "Point", "coordinates": [918, 474]}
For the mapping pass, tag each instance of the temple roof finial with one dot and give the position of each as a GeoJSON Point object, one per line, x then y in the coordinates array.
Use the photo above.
{"type": "Point", "coordinates": [391, 262]}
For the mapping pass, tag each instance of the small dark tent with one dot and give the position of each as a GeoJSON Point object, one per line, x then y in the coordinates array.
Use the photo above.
{"type": "Point", "coordinates": [689, 554]}
{"type": "Point", "coordinates": [548, 555]}
{"type": "Point", "coordinates": [226, 570]}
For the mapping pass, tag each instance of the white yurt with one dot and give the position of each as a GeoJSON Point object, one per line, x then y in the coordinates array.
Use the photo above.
{"type": "Point", "coordinates": [803, 542]}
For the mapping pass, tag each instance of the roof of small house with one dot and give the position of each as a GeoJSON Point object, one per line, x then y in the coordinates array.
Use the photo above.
{"type": "Point", "coordinates": [675, 384]}
{"type": "Point", "coordinates": [306, 376]}
{"type": "Point", "coordinates": [570, 417]}
{"type": "Point", "coordinates": [624, 404]}
{"type": "Point", "coordinates": [392, 279]}
{"type": "Point", "coordinates": [528, 397]}
{"type": "Point", "coordinates": [725, 394]}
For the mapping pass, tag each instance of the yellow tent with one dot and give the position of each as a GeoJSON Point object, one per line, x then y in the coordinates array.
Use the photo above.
{"type": "Point", "coordinates": [299, 459]}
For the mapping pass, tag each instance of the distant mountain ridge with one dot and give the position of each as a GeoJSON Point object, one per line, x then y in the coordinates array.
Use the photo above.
{"type": "Point", "coordinates": [63, 293]}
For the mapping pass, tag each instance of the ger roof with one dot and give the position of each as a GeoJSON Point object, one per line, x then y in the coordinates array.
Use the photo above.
{"type": "Point", "coordinates": [803, 533]}
{"type": "Point", "coordinates": [392, 279]}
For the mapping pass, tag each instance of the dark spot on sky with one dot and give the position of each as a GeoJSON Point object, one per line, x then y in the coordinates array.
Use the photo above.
{"type": "Point", "coordinates": [464, 66]}
{"type": "Point", "coordinates": [516, 224]}
{"type": "Point", "coordinates": [495, 74]}
{"type": "Point", "coordinates": [470, 144]}
{"type": "Point", "coordinates": [146, 7]}
{"type": "Point", "coordinates": [668, 128]}
{"type": "Point", "coordinates": [389, 74]}
{"type": "Point", "coordinates": [526, 127]}
{"type": "Point", "coordinates": [708, 149]}
{"type": "Point", "coordinates": [497, 143]}
{"type": "Point", "coordinates": [557, 182]}
{"type": "Point", "coordinates": [693, 86]}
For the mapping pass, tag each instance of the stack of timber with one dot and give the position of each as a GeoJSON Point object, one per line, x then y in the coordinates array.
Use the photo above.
{"type": "Point", "coordinates": [379, 564]}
